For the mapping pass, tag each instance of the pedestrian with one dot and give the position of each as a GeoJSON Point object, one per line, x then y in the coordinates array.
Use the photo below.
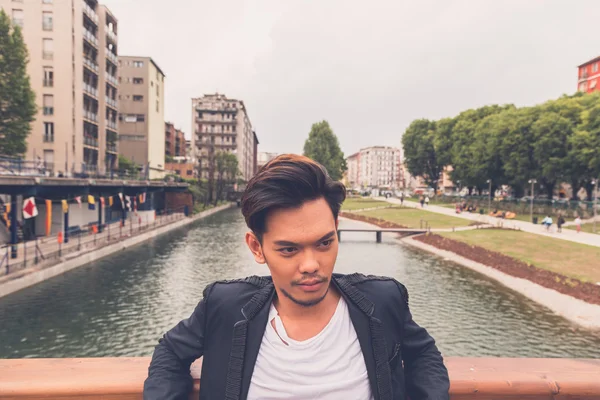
{"type": "Point", "coordinates": [402, 199]}
{"type": "Point", "coordinates": [559, 223]}
{"type": "Point", "coordinates": [426, 200]}
{"type": "Point", "coordinates": [578, 223]}
{"type": "Point", "coordinates": [301, 332]}
{"type": "Point", "coordinates": [547, 222]}
{"type": "Point", "coordinates": [421, 200]}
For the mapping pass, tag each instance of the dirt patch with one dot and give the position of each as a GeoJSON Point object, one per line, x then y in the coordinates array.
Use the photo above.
{"type": "Point", "coordinates": [587, 292]}
{"type": "Point", "coordinates": [375, 221]}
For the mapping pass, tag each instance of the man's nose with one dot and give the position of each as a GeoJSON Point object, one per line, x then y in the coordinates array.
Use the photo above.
{"type": "Point", "coordinates": [309, 263]}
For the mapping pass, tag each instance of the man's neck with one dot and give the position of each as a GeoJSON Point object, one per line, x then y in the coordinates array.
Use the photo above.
{"type": "Point", "coordinates": [291, 310]}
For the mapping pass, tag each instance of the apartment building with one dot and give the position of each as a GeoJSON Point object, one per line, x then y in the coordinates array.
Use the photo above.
{"type": "Point", "coordinates": [263, 158]}
{"type": "Point", "coordinates": [73, 68]}
{"type": "Point", "coordinates": [222, 124]}
{"type": "Point", "coordinates": [175, 143]}
{"type": "Point", "coordinates": [377, 166]}
{"type": "Point", "coordinates": [588, 76]}
{"type": "Point", "coordinates": [141, 114]}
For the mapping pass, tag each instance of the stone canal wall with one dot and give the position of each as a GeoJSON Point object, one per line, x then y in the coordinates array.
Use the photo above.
{"type": "Point", "coordinates": [78, 259]}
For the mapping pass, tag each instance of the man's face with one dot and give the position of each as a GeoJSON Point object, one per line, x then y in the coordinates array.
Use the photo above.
{"type": "Point", "coordinates": [300, 248]}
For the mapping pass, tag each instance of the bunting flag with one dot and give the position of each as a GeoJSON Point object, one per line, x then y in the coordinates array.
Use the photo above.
{"type": "Point", "coordinates": [110, 201]}
{"type": "Point", "coordinates": [65, 206]}
{"type": "Point", "coordinates": [91, 202]}
{"type": "Point", "coordinates": [78, 200]}
{"type": "Point", "coordinates": [6, 213]}
{"type": "Point", "coordinates": [127, 203]}
{"type": "Point", "coordinates": [102, 201]}
{"type": "Point", "coordinates": [29, 208]}
{"type": "Point", "coordinates": [143, 197]}
{"type": "Point", "coordinates": [121, 198]}
{"type": "Point", "coordinates": [140, 198]}
{"type": "Point", "coordinates": [48, 217]}
{"type": "Point", "coordinates": [135, 205]}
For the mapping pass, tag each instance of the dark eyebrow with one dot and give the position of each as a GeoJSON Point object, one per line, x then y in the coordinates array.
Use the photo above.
{"type": "Point", "coordinates": [292, 244]}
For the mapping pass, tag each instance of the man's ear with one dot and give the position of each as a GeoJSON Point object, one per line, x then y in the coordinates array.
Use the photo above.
{"type": "Point", "coordinates": [255, 247]}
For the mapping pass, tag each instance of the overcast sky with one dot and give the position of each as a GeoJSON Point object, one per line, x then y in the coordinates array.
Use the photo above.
{"type": "Point", "coordinates": [369, 68]}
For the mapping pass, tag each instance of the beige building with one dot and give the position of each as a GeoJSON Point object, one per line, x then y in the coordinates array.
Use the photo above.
{"type": "Point", "coordinates": [374, 167]}
{"type": "Point", "coordinates": [222, 124]}
{"type": "Point", "coordinates": [263, 158]}
{"type": "Point", "coordinates": [142, 114]}
{"type": "Point", "coordinates": [73, 68]}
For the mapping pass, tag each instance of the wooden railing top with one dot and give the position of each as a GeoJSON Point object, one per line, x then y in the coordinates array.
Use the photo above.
{"type": "Point", "coordinates": [122, 378]}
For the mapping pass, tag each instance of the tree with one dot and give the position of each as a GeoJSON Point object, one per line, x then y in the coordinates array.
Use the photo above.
{"type": "Point", "coordinates": [226, 165]}
{"type": "Point", "coordinates": [17, 99]}
{"type": "Point", "coordinates": [126, 166]}
{"type": "Point", "coordinates": [322, 146]}
{"type": "Point", "coordinates": [420, 155]}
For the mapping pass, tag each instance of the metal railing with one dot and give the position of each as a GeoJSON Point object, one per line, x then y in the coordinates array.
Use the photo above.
{"type": "Point", "coordinates": [111, 102]}
{"type": "Point", "coordinates": [48, 138]}
{"type": "Point", "coordinates": [90, 12]}
{"type": "Point", "coordinates": [111, 147]}
{"type": "Point", "coordinates": [90, 141]}
{"type": "Point", "coordinates": [47, 26]}
{"type": "Point", "coordinates": [91, 64]}
{"type": "Point", "coordinates": [48, 55]}
{"type": "Point", "coordinates": [90, 89]}
{"type": "Point", "coordinates": [47, 251]}
{"type": "Point", "coordinates": [48, 110]}
{"type": "Point", "coordinates": [112, 79]}
{"type": "Point", "coordinates": [48, 82]}
{"type": "Point", "coordinates": [111, 124]}
{"type": "Point", "coordinates": [20, 167]}
{"type": "Point", "coordinates": [111, 56]}
{"type": "Point", "coordinates": [90, 37]}
{"type": "Point", "coordinates": [90, 115]}
{"type": "Point", "coordinates": [111, 35]}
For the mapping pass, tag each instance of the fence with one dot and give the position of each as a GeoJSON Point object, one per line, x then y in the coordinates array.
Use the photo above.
{"type": "Point", "coordinates": [49, 250]}
{"type": "Point", "coordinates": [568, 208]}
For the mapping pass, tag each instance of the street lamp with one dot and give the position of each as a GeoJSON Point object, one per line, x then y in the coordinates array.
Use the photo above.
{"type": "Point", "coordinates": [595, 182]}
{"type": "Point", "coordinates": [490, 195]}
{"type": "Point", "coordinates": [458, 182]}
{"type": "Point", "coordinates": [533, 182]}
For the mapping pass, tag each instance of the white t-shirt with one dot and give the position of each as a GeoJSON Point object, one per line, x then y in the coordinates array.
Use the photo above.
{"type": "Point", "coordinates": [328, 366]}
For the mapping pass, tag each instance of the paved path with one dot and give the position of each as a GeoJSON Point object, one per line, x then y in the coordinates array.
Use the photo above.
{"type": "Point", "coordinates": [566, 234]}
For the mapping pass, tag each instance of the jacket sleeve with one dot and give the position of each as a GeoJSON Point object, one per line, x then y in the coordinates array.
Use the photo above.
{"type": "Point", "coordinates": [425, 375]}
{"type": "Point", "coordinates": [169, 372]}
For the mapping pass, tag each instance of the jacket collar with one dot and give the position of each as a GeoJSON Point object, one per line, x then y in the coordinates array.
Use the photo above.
{"type": "Point", "coordinates": [248, 334]}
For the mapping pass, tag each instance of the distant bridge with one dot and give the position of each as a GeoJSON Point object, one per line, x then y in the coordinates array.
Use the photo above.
{"type": "Point", "coordinates": [379, 232]}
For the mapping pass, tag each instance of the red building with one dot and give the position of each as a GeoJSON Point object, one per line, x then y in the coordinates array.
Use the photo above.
{"type": "Point", "coordinates": [589, 76]}
{"type": "Point", "coordinates": [174, 141]}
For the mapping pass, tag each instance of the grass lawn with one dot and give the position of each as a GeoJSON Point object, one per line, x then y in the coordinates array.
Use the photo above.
{"type": "Point", "coordinates": [589, 228]}
{"type": "Point", "coordinates": [411, 217]}
{"type": "Point", "coordinates": [570, 259]}
{"type": "Point", "coordinates": [357, 203]}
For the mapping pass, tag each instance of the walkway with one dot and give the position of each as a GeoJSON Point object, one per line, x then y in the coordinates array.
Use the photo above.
{"type": "Point", "coordinates": [566, 234]}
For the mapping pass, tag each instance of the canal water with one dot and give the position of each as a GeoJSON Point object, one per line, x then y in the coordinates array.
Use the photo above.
{"type": "Point", "coordinates": [122, 304]}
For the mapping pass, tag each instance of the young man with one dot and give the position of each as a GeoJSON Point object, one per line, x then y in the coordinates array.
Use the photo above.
{"type": "Point", "coordinates": [303, 332]}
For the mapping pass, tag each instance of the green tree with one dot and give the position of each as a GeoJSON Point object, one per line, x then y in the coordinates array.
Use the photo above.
{"type": "Point", "coordinates": [323, 146]}
{"type": "Point", "coordinates": [420, 155]}
{"type": "Point", "coordinates": [226, 165]}
{"type": "Point", "coordinates": [126, 166]}
{"type": "Point", "coordinates": [17, 100]}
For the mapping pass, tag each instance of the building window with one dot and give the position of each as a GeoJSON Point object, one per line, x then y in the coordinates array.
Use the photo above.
{"type": "Point", "coordinates": [141, 118]}
{"type": "Point", "coordinates": [157, 106]}
{"type": "Point", "coordinates": [18, 18]}
{"type": "Point", "coordinates": [47, 21]}
{"type": "Point", "coordinates": [48, 132]}
{"type": "Point", "coordinates": [595, 67]}
{"type": "Point", "coordinates": [137, 97]}
{"type": "Point", "coordinates": [582, 87]}
{"type": "Point", "coordinates": [138, 64]}
{"type": "Point", "coordinates": [48, 104]}
{"type": "Point", "coordinates": [138, 81]}
{"type": "Point", "coordinates": [47, 1]}
{"type": "Point", "coordinates": [48, 77]}
{"type": "Point", "coordinates": [48, 49]}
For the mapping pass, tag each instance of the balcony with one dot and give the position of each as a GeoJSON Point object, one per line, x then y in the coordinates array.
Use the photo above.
{"type": "Point", "coordinates": [48, 110]}
{"type": "Point", "coordinates": [90, 37]}
{"type": "Point", "coordinates": [47, 26]}
{"type": "Point", "coordinates": [111, 103]}
{"type": "Point", "coordinates": [89, 89]}
{"type": "Point", "coordinates": [48, 82]}
{"type": "Point", "coordinates": [48, 55]}
{"type": "Point", "coordinates": [111, 147]}
{"type": "Point", "coordinates": [111, 124]}
{"type": "Point", "coordinates": [91, 64]}
{"type": "Point", "coordinates": [111, 79]}
{"type": "Point", "coordinates": [87, 10]}
{"type": "Point", "coordinates": [89, 115]}
{"type": "Point", "coordinates": [208, 122]}
{"type": "Point", "coordinates": [48, 138]}
{"type": "Point", "coordinates": [90, 141]}
{"type": "Point", "coordinates": [111, 56]}
{"type": "Point", "coordinates": [111, 35]}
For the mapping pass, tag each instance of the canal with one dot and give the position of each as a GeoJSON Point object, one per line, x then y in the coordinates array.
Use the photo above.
{"type": "Point", "coordinates": [122, 304]}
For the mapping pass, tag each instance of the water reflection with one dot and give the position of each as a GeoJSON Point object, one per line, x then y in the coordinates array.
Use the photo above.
{"type": "Point", "coordinates": [121, 305]}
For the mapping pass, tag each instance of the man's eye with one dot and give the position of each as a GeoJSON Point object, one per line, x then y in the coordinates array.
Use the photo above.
{"type": "Point", "coordinates": [326, 243]}
{"type": "Point", "coordinates": [288, 250]}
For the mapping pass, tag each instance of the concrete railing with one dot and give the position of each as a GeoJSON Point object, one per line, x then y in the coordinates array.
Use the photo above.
{"type": "Point", "coordinates": [471, 378]}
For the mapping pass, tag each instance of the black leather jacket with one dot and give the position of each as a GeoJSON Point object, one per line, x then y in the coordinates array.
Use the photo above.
{"type": "Point", "coordinates": [227, 327]}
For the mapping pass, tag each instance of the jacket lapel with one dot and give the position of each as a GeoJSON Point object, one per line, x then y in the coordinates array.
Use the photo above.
{"type": "Point", "coordinates": [245, 344]}
{"type": "Point", "coordinates": [369, 331]}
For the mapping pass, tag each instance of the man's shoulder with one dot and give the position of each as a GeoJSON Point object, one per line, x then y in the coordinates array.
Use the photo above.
{"type": "Point", "coordinates": [374, 285]}
{"type": "Point", "coordinates": [249, 284]}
